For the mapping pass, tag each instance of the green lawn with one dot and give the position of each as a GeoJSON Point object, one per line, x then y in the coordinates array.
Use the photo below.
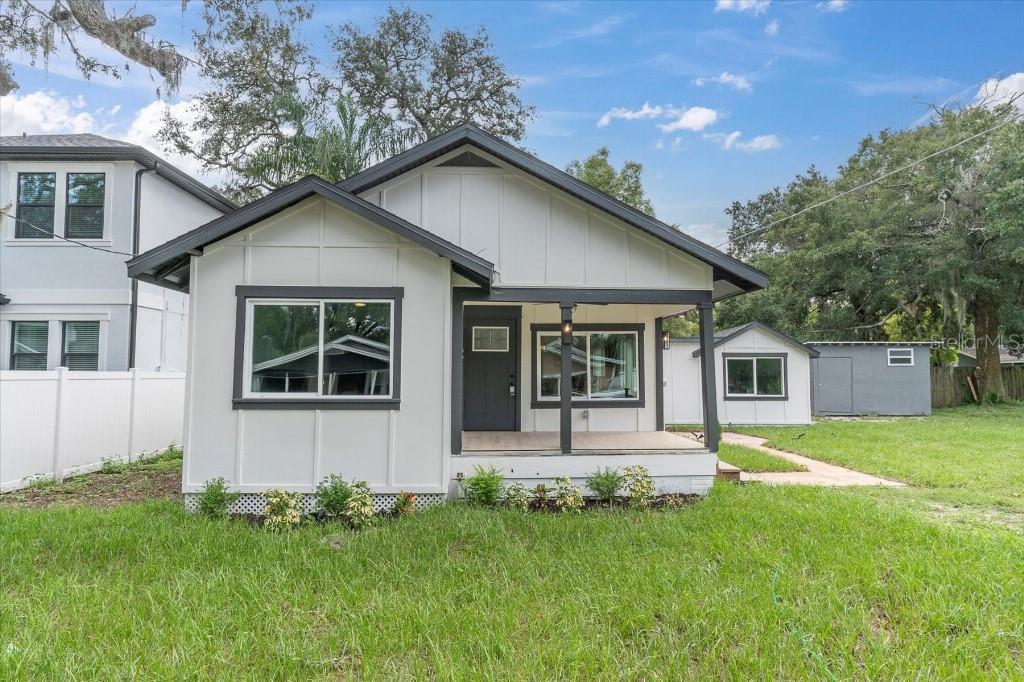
{"type": "Point", "coordinates": [753, 460]}
{"type": "Point", "coordinates": [751, 582]}
{"type": "Point", "coordinates": [971, 456]}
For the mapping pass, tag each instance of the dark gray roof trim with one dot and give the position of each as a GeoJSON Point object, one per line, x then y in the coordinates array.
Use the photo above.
{"type": "Point", "coordinates": [726, 267]}
{"type": "Point", "coordinates": [894, 344]}
{"type": "Point", "coordinates": [167, 264]}
{"type": "Point", "coordinates": [728, 334]}
{"type": "Point", "coordinates": [88, 147]}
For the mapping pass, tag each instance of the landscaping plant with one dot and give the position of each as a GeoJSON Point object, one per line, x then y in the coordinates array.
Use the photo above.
{"type": "Point", "coordinates": [568, 496]}
{"type": "Point", "coordinates": [540, 496]}
{"type": "Point", "coordinates": [332, 495]}
{"type": "Point", "coordinates": [484, 486]}
{"type": "Point", "coordinates": [405, 503]}
{"type": "Point", "coordinates": [517, 497]}
{"type": "Point", "coordinates": [639, 486]}
{"type": "Point", "coordinates": [283, 510]}
{"type": "Point", "coordinates": [359, 506]}
{"type": "Point", "coordinates": [214, 500]}
{"type": "Point", "coordinates": [606, 483]}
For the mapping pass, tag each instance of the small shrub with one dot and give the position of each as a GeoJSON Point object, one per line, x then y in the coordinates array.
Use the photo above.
{"type": "Point", "coordinates": [540, 496]}
{"type": "Point", "coordinates": [517, 497]}
{"type": "Point", "coordinates": [405, 503]}
{"type": "Point", "coordinates": [359, 506]}
{"type": "Point", "coordinates": [674, 501]}
{"type": "Point", "coordinates": [606, 484]}
{"type": "Point", "coordinates": [568, 497]}
{"type": "Point", "coordinates": [332, 495]}
{"type": "Point", "coordinates": [639, 486]}
{"type": "Point", "coordinates": [283, 510]}
{"type": "Point", "coordinates": [484, 486]}
{"type": "Point", "coordinates": [214, 500]}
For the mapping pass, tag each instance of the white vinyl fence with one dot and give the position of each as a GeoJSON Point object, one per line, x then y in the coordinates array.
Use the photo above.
{"type": "Point", "coordinates": [59, 423]}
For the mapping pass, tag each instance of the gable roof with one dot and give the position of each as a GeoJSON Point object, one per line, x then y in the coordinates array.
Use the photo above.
{"type": "Point", "coordinates": [167, 264]}
{"type": "Point", "coordinates": [724, 335]}
{"type": "Point", "coordinates": [89, 147]}
{"type": "Point", "coordinates": [726, 267]}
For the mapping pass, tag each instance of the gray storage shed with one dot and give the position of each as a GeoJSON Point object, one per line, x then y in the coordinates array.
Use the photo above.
{"type": "Point", "coordinates": [864, 378]}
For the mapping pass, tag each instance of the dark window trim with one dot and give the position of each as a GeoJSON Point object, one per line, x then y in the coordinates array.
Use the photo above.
{"type": "Point", "coordinates": [639, 402]}
{"type": "Point", "coordinates": [13, 355]}
{"type": "Point", "coordinates": [64, 354]}
{"type": "Point", "coordinates": [739, 356]}
{"type": "Point", "coordinates": [244, 293]}
{"type": "Point", "coordinates": [32, 232]}
{"type": "Point", "coordinates": [67, 204]}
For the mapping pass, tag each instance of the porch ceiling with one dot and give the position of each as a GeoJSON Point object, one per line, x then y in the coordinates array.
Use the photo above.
{"type": "Point", "coordinates": [582, 441]}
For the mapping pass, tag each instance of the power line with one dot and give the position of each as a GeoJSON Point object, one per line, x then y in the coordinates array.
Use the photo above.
{"type": "Point", "coordinates": [71, 241]}
{"type": "Point", "coordinates": [873, 181]}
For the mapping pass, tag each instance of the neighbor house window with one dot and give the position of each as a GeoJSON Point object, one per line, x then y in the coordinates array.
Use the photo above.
{"type": "Point", "coordinates": [36, 194]}
{"type": "Point", "coordinates": [901, 357]}
{"type": "Point", "coordinates": [605, 365]}
{"type": "Point", "coordinates": [319, 349]}
{"type": "Point", "coordinates": [84, 216]}
{"type": "Point", "coordinates": [81, 346]}
{"type": "Point", "coordinates": [28, 345]}
{"type": "Point", "coordinates": [755, 377]}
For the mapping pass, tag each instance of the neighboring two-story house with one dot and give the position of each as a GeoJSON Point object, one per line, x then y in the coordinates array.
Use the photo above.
{"type": "Point", "coordinates": [75, 208]}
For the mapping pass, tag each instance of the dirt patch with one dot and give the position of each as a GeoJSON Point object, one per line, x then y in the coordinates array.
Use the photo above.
{"type": "Point", "coordinates": [154, 479]}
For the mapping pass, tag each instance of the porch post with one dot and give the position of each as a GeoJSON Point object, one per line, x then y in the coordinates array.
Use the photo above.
{"type": "Point", "coordinates": [457, 369]}
{"type": "Point", "coordinates": [707, 373]}
{"type": "Point", "coordinates": [565, 394]}
{"type": "Point", "coordinates": [659, 374]}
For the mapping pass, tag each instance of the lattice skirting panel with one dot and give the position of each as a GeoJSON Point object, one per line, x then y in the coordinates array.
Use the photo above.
{"type": "Point", "coordinates": [253, 503]}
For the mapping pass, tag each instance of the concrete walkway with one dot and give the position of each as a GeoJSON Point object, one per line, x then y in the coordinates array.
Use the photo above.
{"type": "Point", "coordinates": [818, 473]}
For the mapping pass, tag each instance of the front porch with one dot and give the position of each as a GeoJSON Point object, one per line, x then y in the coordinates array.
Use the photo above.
{"type": "Point", "coordinates": [547, 443]}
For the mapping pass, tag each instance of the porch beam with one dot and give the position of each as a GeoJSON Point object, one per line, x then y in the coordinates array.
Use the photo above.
{"type": "Point", "coordinates": [598, 296]}
{"type": "Point", "coordinates": [707, 373]}
{"type": "Point", "coordinates": [565, 392]}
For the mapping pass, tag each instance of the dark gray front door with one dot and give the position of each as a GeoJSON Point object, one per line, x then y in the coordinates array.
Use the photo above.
{"type": "Point", "coordinates": [834, 386]}
{"type": "Point", "coordinates": [490, 354]}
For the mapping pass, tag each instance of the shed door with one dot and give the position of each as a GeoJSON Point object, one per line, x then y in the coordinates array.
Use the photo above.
{"type": "Point", "coordinates": [834, 389]}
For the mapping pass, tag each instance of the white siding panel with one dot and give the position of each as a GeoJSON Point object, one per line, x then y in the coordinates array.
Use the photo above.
{"type": "Point", "coordinates": [524, 221]}
{"type": "Point", "coordinates": [296, 226]}
{"type": "Point", "coordinates": [442, 200]}
{"type": "Point", "coordinates": [291, 266]}
{"type": "Point", "coordinates": [567, 244]}
{"type": "Point", "coordinates": [405, 199]}
{"type": "Point", "coordinates": [370, 267]}
{"type": "Point", "coordinates": [647, 263]}
{"type": "Point", "coordinates": [354, 444]}
{"type": "Point", "coordinates": [480, 220]}
{"type": "Point", "coordinates": [341, 228]}
{"type": "Point", "coordinates": [688, 273]}
{"type": "Point", "coordinates": [606, 253]}
{"type": "Point", "coordinates": [277, 447]}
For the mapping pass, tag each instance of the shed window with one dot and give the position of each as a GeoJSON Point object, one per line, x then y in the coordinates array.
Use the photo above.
{"type": "Point", "coordinates": [81, 346]}
{"type": "Point", "coordinates": [36, 194]}
{"type": "Point", "coordinates": [84, 216]}
{"type": "Point", "coordinates": [319, 348]}
{"type": "Point", "coordinates": [605, 365]}
{"type": "Point", "coordinates": [28, 345]}
{"type": "Point", "coordinates": [901, 357]}
{"type": "Point", "coordinates": [755, 377]}
{"type": "Point", "coordinates": [490, 339]}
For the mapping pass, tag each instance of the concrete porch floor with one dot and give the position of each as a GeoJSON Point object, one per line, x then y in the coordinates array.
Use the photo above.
{"type": "Point", "coordinates": [582, 441]}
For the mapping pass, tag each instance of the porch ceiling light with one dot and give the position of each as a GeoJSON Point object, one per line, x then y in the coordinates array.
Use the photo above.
{"type": "Point", "coordinates": [360, 304]}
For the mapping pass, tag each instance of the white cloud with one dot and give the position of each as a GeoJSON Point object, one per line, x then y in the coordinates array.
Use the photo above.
{"type": "Point", "coordinates": [594, 30]}
{"type": "Point", "coordinates": [754, 7]}
{"type": "Point", "coordinates": [732, 80]}
{"type": "Point", "coordinates": [994, 91]}
{"type": "Point", "coordinates": [694, 118]}
{"type": "Point", "coordinates": [833, 6]}
{"type": "Point", "coordinates": [728, 141]}
{"type": "Point", "coordinates": [147, 122]}
{"type": "Point", "coordinates": [646, 111]}
{"type": "Point", "coordinates": [44, 112]}
{"type": "Point", "coordinates": [910, 85]}
{"type": "Point", "coordinates": [772, 28]}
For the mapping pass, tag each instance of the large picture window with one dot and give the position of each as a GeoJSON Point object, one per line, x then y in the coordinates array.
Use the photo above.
{"type": "Point", "coordinates": [606, 366]}
{"type": "Point", "coordinates": [755, 377]}
{"type": "Point", "coordinates": [329, 350]}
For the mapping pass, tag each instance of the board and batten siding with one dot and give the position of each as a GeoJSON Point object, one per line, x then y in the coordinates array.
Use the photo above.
{"type": "Point", "coordinates": [315, 243]}
{"type": "Point", "coordinates": [535, 235]}
{"type": "Point", "coordinates": [683, 401]}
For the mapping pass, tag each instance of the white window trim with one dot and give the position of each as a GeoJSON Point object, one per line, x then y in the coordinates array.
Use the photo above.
{"type": "Point", "coordinates": [586, 334]}
{"type": "Point", "coordinates": [889, 357]}
{"type": "Point", "coordinates": [60, 201]}
{"type": "Point", "coordinates": [247, 392]}
{"type": "Point", "coordinates": [756, 394]}
{"type": "Point", "coordinates": [472, 336]}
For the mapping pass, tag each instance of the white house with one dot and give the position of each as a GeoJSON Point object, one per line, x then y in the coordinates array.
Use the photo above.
{"type": "Point", "coordinates": [764, 378]}
{"type": "Point", "coordinates": [75, 207]}
{"type": "Point", "coordinates": [423, 317]}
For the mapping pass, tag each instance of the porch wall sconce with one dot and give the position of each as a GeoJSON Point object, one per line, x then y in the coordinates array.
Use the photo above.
{"type": "Point", "coordinates": [666, 341]}
{"type": "Point", "coordinates": [567, 333]}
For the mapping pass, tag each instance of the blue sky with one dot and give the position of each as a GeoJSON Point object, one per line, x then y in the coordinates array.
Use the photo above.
{"type": "Point", "coordinates": [719, 100]}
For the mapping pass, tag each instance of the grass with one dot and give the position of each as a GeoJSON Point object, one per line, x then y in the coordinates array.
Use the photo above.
{"type": "Point", "coordinates": [753, 460]}
{"type": "Point", "coordinates": [968, 456]}
{"type": "Point", "coordinates": [752, 582]}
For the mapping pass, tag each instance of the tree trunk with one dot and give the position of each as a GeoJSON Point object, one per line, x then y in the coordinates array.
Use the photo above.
{"type": "Point", "coordinates": [986, 342]}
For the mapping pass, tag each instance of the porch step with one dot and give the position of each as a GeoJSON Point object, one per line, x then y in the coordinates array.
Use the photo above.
{"type": "Point", "coordinates": [727, 472]}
